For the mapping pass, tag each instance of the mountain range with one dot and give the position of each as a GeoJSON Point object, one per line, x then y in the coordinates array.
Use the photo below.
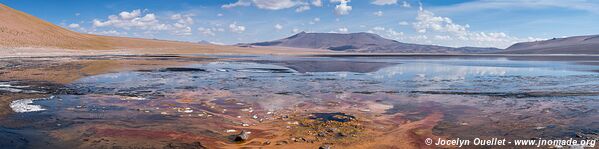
{"type": "Point", "coordinates": [372, 43]}
{"type": "Point", "coordinates": [362, 42]}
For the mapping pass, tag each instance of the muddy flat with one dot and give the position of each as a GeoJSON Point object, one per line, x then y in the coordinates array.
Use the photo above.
{"type": "Point", "coordinates": [311, 101]}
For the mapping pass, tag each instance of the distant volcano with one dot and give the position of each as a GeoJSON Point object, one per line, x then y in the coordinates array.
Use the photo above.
{"type": "Point", "coordinates": [362, 42]}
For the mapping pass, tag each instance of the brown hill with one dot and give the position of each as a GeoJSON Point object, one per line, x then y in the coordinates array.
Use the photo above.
{"type": "Point", "coordinates": [19, 30]}
{"type": "Point", "coordinates": [588, 44]}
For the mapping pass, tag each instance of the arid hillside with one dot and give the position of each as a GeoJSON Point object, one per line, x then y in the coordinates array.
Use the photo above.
{"type": "Point", "coordinates": [21, 30]}
{"type": "Point", "coordinates": [18, 29]}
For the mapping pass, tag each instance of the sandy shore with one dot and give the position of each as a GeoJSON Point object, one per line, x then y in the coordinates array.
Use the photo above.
{"type": "Point", "coordinates": [203, 49]}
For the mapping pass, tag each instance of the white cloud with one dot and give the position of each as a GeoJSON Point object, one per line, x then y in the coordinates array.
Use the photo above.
{"type": "Point", "coordinates": [182, 27]}
{"type": "Point", "coordinates": [378, 28]}
{"type": "Point", "coordinates": [295, 30]}
{"type": "Point", "coordinates": [77, 14]}
{"type": "Point", "coordinates": [233, 27]}
{"type": "Point", "coordinates": [302, 5]}
{"type": "Point", "coordinates": [317, 3]}
{"type": "Point", "coordinates": [206, 31]}
{"type": "Point", "coordinates": [442, 37]}
{"type": "Point", "coordinates": [445, 31]}
{"type": "Point", "coordinates": [406, 4]}
{"type": "Point", "coordinates": [220, 14]}
{"type": "Point", "coordinates": [343, 30]}
{"type": "Point", "coordinates": [278, 26]}
{"type": "Point", "coordinates": [314, 21]}
{"type": "Point", "coordinates": [74, 25]}
{"type": "Point", "coordinates": [342, 8]}
{"type": "Point", "coordinates": [274, 4]}
{"type": "Point", "coordinates": [384, 2]}
{"type": "Point", "coordinates": [109, 32]}
{"type": "Point", "coordinates": [302, 8]}
{"type": "Point", "coordinates": [386, 32]}
{"type": "Point", "coordinates": [210, 31]}
{"type": "Point", "coordinates": [183, 19]}
{"type": "Point", "coordinates": [237, 4]}
{"type": "Point", "coordinates": [404, 23]}
{"type": "Point", "coordinates": [176, 24]}
{"type": "Point", "coordinates": [130, 15]}
{"type": "Point", "coordinates": [133, 19]}
{"type": "Point", "coordinates": [427, 20]}
{"type": "Point", "coordinates": [393, 33]}
{"type": "Point", "coordinates": [378, 13]}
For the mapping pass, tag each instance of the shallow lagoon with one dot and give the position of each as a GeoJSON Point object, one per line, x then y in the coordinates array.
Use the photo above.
{"type": "Point", "coordinates": [506, 98]}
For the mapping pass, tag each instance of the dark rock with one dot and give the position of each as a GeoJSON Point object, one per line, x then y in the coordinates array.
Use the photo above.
{"type": "Point", "coordinates": [322, 134]}
{"type": "Point", "coordinates": [325, 146]}
{"type": "Point", "coordinates": [242, 136]}
{"type": "Point", "coordinates": [338, 116]}
{"type": "Point", "coordinates": [193, 145]}
{"type": "Point", "coordinates": [282, 142]}
{"type": "Point", "coordinates": [331, 129]}
{"type": "Point", "coordinates": [180, 69]}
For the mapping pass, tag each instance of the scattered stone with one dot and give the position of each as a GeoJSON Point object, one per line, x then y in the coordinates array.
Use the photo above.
{"type": "Point", "coordinates": [266, 142]}
{"type": "Point", "coordinates": [331, 129]}
{"type": "Point", "coordinates": [322, 134]}
{"type": "Point", "coordinates": [282, 142]}
{"type": "Point", "coordinates": [184, 110]}
{"type": "Point", "coordinates": [193, 145]}
{"type": "Point", "coordinates": [242, 136]}
{"type": "Point", "coordinates": [230, 130]}
{"type": "Point", "coordinates": [325, 146]}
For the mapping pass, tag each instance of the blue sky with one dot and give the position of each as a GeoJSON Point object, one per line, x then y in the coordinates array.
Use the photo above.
{"type": "Point", "coordinates": [488, 23]}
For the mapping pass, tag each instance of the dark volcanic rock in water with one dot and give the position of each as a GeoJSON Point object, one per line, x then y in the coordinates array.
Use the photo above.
{"type": "Point", "coordinates": [181, 69]}
{"type": "Point", "coordinates": [362, 42]}
{"type": "Point", "coordinates": [267, 70]}
{"type": "Point", "coordinates": [244, 135]}
{"type": "Point", "coordinates": [338, 116]}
